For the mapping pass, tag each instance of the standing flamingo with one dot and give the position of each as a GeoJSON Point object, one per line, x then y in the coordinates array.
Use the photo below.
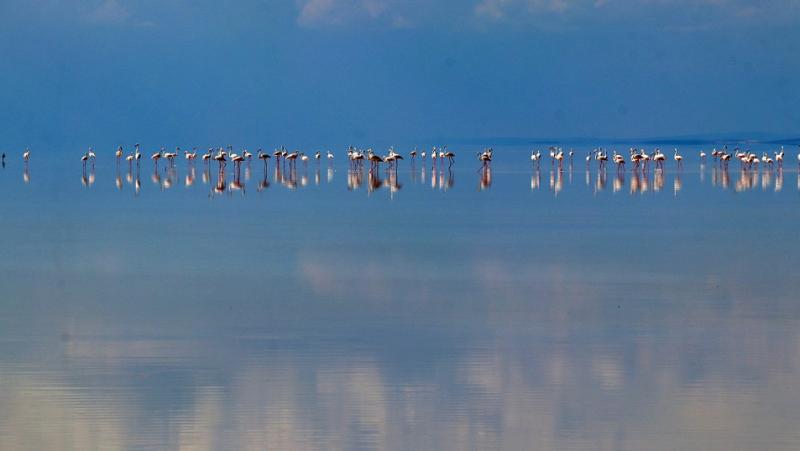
{"type": "Point", "coordinates": [220, 158]}
{"type": "Point", "coordinates": [155, 157]}
{"type": "Point", "coordinates": [264, 157]}
{"type": "Point", "coordinates": [678, 158]}
{"type": "Point", "coordinates": [136, 154]}
{"type": "Point", "coordinates": [659, 158]}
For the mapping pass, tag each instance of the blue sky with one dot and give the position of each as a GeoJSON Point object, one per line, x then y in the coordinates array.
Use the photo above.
{"type": "Point", "coordinates": [311, 72]}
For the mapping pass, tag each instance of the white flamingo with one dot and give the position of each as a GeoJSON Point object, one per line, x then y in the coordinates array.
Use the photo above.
{"type": "Point", "coordinates": [779, 158]}
{"type": "Point", "coordinates": [659, 158]}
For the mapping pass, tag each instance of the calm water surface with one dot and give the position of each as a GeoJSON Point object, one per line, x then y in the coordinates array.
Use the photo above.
{"type": "Point", "coordinates": [446, 310]}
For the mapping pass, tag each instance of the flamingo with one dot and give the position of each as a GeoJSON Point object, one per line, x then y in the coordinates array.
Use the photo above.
{"type": "Point", "coordinates": [118, 154]}
{"type": "Point", "coordinates": [645, 159]}
{"type": "Point", "coordinates": [155, 157]}
{"type": "Point", "coordinates": [678, 158]}
{"type": "Point", "coordinates": [535, 158]}
{"type": "Point", "coordinates": [278, 153]}
{"type": "Point", "coordinates": [304, 159]}
{"type": "Point", "coordinates": [290, 157]}
{"type": "Point", "coordinates": [702, 156]}
{"type": "Point", "coordinates": [263, 157]}
{"type": "Point", "coordinates": [26, 155]}
{"type": "Point", "coordinates": [375, 160]}
{"type": "Point", "coordinates": [413, 155]}
{"type": "Point", "coordinates": [659, 158]}
{"type": "Point", "coordinates": [559, 156]}
{"type": "Point", "coordinates": [485, 158]}
{"type": "Point", "coordinates": [393, 158]}
{"type": "Point", "coordinates": [330, 156]}
{"type": "Point", "coordinates": [237, 161]}
{"type": "Point", "coordinates": [91, 156]}
{"type": "Point", "coordinates": [779, 158]}
{"type": "Point", "coordinates": [220, 158]}
{"type": "Point", "coordinates": [636, 158]}
{"type": "Point", "coordinates": [190, 156]}
{"type": "Point", "coordinates": [767, 160]}
{"type": "Point", "coordinates": [136, 154]}
{"type": "Point", "coordinates": [620, 161]}
{"type": "Point", "coordinates": [449, 155]}
{"type": "Point", "coordinates": [84, 159]}
{"type": "Point", "coordinates": [171, 155]}
{"type": "Point", "coordinates": [601, 158]}
{"type": "Point", "coordinates": [207, 156]}
{"type": "Point", "coordinates": [130, 159]}
{"type": "Point", "coordinates": [357, 158]}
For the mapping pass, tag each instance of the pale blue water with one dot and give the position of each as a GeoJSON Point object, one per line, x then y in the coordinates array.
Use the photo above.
{"type": "Point", "coordinates": [554, 311]}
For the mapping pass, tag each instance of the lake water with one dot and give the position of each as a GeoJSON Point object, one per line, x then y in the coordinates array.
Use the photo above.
{"type": "Point", "coordinates": [449, 310]}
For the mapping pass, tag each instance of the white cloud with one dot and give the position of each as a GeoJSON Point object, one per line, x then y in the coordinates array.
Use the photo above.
{"type": "Point", "coordinates": [669, 13]}
{"type": "Point", "coordinates": [340, 12]}
{"type": "Point", "coordinates": [108, 12]}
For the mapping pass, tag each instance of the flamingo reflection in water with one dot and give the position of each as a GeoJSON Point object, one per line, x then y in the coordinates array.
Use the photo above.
{"type": "Point", "coordinates": [374, 181]}
{"type": "Point", "coordinates": [289, 179]}
{"type": "Point", "coordinates": [486, 178]}
{"type": "Point", "coordinates": [619, 182]}
{"type": "Point", "coordinates": [636, 180]}
{"type": "Point", "coordinates": [236, 184]}
{"type": "Point", "coordinates": [677, 185]}
{"type": "Point", "coordinates": [355, 178]}
{"type": "Point", "coordinates": [601, 181]}
{"type": "Point", "coordinates": [171, 177]}
{"type": "Point", "coordinates": [87, 180]}
{"type": "Point", "coordinates": [264, 182]}
{"type": "Point", "coordinates": [219, 186]}
{"type": "Point", "coordinates": [392, 183]}
{"type": "Point", "coordinates": [766, 180]}
{"type": "Point", "coordinates": [448, 182]}
{"type": "Point", "coordinates": [536, 181]}
{"type": "Point", "coordinates": [556, 181]}
{"type": "Point", "coordinates": [189, 178]}
{"type": "Point", "coordinates": [747, 180]}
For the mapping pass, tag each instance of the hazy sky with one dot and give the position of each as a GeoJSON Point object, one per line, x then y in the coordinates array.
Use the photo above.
{"type": "Point", "coordinates": [310, 72]}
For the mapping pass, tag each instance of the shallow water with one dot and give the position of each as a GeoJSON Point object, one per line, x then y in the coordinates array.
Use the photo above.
{"type": "Point", "coordinates": [448, 310]}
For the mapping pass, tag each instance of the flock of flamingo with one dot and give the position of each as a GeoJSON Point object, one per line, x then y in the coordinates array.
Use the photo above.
{"type": "Point", "coordinates": [285, 164]}
{"type": "Point", "coordinates": [641, 159]}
